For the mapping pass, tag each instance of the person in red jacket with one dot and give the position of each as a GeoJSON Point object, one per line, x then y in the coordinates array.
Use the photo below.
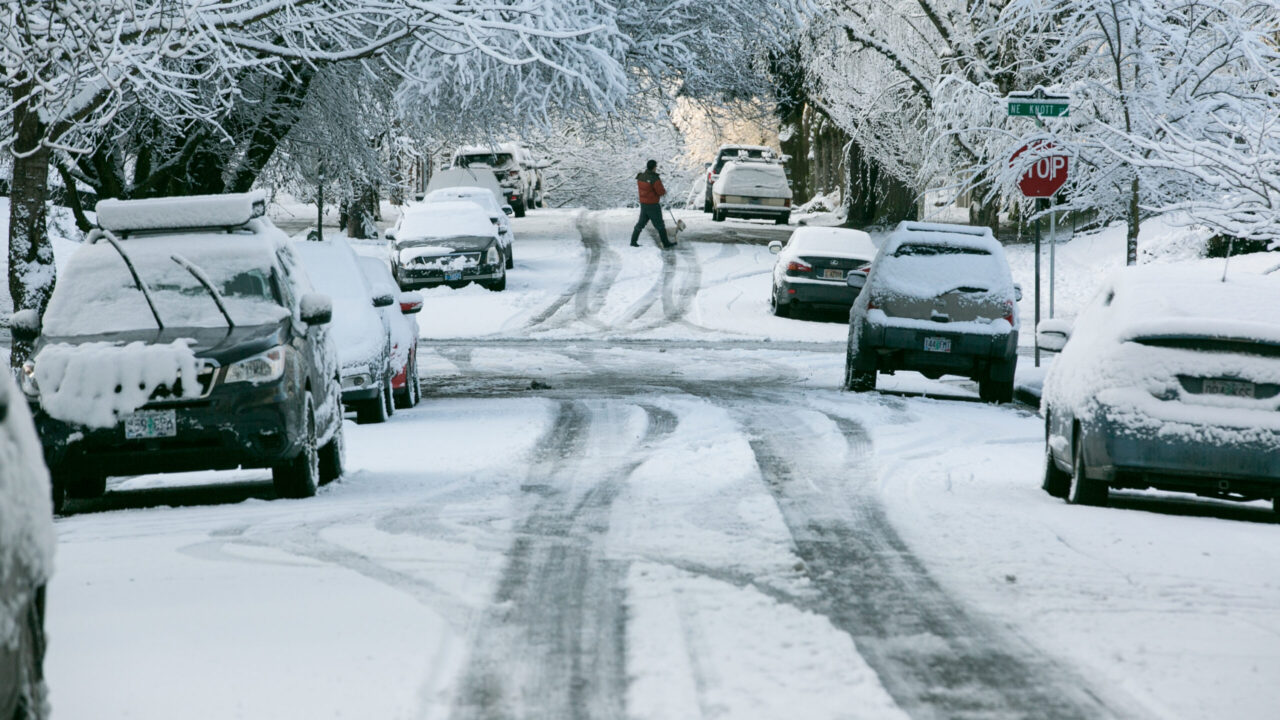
{"type": "Point", "coordinates": [651, 192]}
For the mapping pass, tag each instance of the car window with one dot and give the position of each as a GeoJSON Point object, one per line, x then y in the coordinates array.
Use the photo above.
{"type": "Point", "coordinates": [915, 249]}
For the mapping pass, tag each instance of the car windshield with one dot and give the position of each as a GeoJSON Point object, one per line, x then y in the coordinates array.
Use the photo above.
{"type": "Point", "coordinates": [97, 294]}
{"type": "Point", "coordinates": [745, 178]}
{"type": "Point", "coordinates": [442, 220]}
{"type": "Point", "coordinates": [490, 159]}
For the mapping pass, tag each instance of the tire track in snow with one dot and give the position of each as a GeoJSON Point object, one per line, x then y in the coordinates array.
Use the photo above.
{"type": "Point", "coordinates": [553, 646]}
{"type": "Point", "coordinates": [935, 658]}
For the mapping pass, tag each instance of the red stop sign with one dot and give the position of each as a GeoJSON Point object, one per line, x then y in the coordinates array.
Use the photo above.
{"type": "Point", "coordinates": [1044, 178]}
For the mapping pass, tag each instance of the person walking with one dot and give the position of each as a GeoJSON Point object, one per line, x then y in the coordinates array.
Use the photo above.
{"type": "Point", "coordinates": [651, 192]}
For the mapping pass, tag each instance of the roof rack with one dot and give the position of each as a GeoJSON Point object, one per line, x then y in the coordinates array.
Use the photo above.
{"type": "Point", "coordinates": [196, 212]}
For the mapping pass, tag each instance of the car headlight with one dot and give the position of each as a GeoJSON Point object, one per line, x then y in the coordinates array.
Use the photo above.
{"type": "Point", "coordinates": [491, 257]}
{"type": "Point", "coordinates": [27, 379]}
{"type": "Point", "coordinates": [260, 368]}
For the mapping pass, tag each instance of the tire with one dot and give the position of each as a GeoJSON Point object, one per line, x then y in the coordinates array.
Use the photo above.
{"type": "Point", "coordinates": [411, 390]}
{"type": "Point", "coordinates": [85, 486]}
{"type": "Point", "coordinates": [372, 411]}
{"type": "Point", "coordinates": [300, 476]}
{"type": "Point", "coordinates": [389, 395]}
{"type": "Point", "coordinates": [783, 219]}
{"type": "Point", "coordinates": [779, 309]}
{"type": "Point", "coordinates": [519, 208]}
{"type": "Point", "coordinates": [1082, 490]}
{"type": "Point", "coordinates": [458, 285]}
{"type": "Point", "coordinates": [857, 380]}
{"type": "Point", "coordinates": [57, 494]}
{"type": "Point", "coordinates": [511, 257]}
{"type": "Point", "coordinates": [495, 285]}
{"type": "Point", "coordinates": [333, 457]}
{"type": "Point", "coordinates": [1056, 482]}
{"type": "Point", "coordinates": [995, 391]}
{"type": "Point", "coordinates": [1275, 505]}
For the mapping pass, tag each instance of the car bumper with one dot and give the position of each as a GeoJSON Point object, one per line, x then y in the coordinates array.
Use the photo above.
{"type": "Point", "coordinates": [1201, 458]}
{"type": "Point", "coordinates": [753, 211]}
{"type": "Point", "coordinates": [247, 427]}
{"type": "Point", "coordinates": [972, 354]}
{"type": "Point", "coordinates": [817, 292]}
{"type": "Point", "coordinates": [413, 279]}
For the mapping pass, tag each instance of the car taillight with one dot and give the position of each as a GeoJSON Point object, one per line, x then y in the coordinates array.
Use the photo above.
{"type": "Point", "coordinates": [721, 197]}
{"type": "Point", "coordinates": [795, 266]}
{"type": "Point", "coordinates": [1008, 312]}
{"type": "Point", "coordinates": [513, 173]}
{"type": "Point", "coordinates": [786, 202]}
{"type": "Point", "coordinates": [865, 269]}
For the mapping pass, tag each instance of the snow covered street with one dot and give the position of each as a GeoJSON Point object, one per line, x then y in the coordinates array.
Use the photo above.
{"type": "Point", "coordinates": [632, 492]}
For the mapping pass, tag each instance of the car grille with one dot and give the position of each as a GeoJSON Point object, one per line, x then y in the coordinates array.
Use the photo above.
{"type": "Point", "coordinates": [439, 261]}
{"type": "Point", "coordinates": [205, 375]}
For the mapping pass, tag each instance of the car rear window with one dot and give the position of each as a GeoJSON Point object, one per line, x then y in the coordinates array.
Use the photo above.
{"type": "Point", "coordinates": [916, 249]}
{"type": "Point", "coordinates": [492, 160]}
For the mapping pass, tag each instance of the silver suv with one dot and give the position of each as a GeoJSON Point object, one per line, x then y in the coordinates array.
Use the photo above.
{"type": "Point", "coordinates": [938, 299]}
{"type": "Point", "coordinates": [518, 172]}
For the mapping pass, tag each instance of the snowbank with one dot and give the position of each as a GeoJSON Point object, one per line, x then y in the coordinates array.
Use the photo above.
{"type": "Point", "coordinates": [95, 384]}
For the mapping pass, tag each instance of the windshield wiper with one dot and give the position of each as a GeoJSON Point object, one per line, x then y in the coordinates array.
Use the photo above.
{"type": "Point", "coordinates": [203, 279]}
{"type": "Point", "coordinates": [146, 292]}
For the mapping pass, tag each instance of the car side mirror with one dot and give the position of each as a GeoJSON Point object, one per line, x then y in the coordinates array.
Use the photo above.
{"type": "Point", "coordinates": [1052, 334]}
{"type": "Point", "coordinates": [1017, 292]}
{"type": "Point", "coordinates": [316, 309]}
{"type": "Point", "coordinates": [390, 234]}
{"type": "Point", "coordinates": [775, 247]}
{"type": "Point", "coordinates": [25, 325]}
{"type": "Point", "coordinates": [382, 300]}
{"type": "Point", "coordinates": [410, 303]}
{"type": "Point", "coordinates": [508, 210]}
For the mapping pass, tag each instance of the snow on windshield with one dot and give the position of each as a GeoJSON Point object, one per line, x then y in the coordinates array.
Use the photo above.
{"type": "Point", "coordinates": [97, 294]}
{"type": "Point", "coordinates": [334, 271]}
{"type": "Point", "coordinates": [445, 220]}
{"type": "Point", "coordinates": [475, 195]}
{"type": "Point", "coordinates": [754, 180]}
{"type": "Point", "coordinates": [924, 270]}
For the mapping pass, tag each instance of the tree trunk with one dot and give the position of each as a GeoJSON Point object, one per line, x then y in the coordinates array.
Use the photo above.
{"type": "Point", "coordinates": [1134, 223]}
{"type": "Point", "coordinates": [31, 268]}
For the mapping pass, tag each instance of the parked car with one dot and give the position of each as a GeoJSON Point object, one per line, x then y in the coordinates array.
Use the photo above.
{"type": "Point", "coordinates": [518, 173]}
{"type": "Point", "coordinates": [752, 189]}
{"type": "Point", "coordinates": [1169, 379]}
{"type": "Point", "coordinates": [938, 299]}
{"type": "Point", "coordinates": [362, 336]}
{"type": "Point", "coordinates": [812, 269]}
{"type": "Point", "coordinates": [447, 243]}
{"type": "Point", "coordinates": [468, 178]}
{"type": "Point", "coordinates": [484, 199]}
{"type": "Point", "coordinates": [403, 326]}
{"type": "Point", "coordinates": [26, 558]}
{"type": "Point", "coordinates": [184, 335]}
{"type": "Point", "coordinates": [728, 153]}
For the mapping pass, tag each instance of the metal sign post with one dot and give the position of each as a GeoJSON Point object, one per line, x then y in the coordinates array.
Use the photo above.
{"type": "Point", "coordinates": [1053, 243]}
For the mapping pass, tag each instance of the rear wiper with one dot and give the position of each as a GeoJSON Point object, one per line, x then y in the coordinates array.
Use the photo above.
{"type": "Point", "coordinates": [146, 292]}
{"type": "Point", "coordinates": [203, 279]}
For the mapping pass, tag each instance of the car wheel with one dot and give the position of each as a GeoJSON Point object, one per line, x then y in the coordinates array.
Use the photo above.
{"type": "Point", "coordinates": [511, 257]}
{"type": "Point", "coordinates": [389, 395]}
{"type": "Point", "coordinates": [415, 383]}
{"type": "Point", "coordinates": [58, 494]}
{"type": "Point", "coordinates": [717, 216]}
{"type": "Point", "coordinates": [333, 457]}
{"type": "Point", "coordinates": [371, 411]}
{"type": "Point", "coordinates": [409, 398]}
{"type": "Point", "coordinates": [519, 209]}
{"type": "Point", "coordinates": [856, 380]}
{"type": "Point", "coordinates": [1084, 491]}
{"type": "Point", "coordinates": [458, 285]}
{"type": "Point", "coordinates": [85, 486]}
{"type": "Point", "coordinates": [779, 309]}
{"type": "Point", "coordinates": [1056, 482]}
{"type": "Point", "coordinates": [995, 391]}
{"type": "Point", "coordinates": [300, 476]}
{"type": "Point", "coordinates": [783, 219]}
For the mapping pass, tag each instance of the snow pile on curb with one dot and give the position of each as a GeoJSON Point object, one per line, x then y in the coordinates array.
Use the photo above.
{"type": "Point", "coordinates": [26, 524]}
{"type": "Point", "coordinates": [95, 383]}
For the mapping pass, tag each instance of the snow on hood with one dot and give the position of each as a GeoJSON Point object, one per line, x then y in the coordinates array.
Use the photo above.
{"type": "Point", "coordinates": [95, 384]}
{"type": "Point", "coordinates": [26, 515]}
{"type": "Point", "coordinates": [753, 179]}
{"type": "Point", "coordinates": [1152, 326]}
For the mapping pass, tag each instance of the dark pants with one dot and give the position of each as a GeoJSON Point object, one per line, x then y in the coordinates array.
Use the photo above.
{"type": "Point", "coordinates": [650, 214]}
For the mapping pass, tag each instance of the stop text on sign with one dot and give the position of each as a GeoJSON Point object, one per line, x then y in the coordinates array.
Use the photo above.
{"type": "Point", "coordinates": [1046, 176]}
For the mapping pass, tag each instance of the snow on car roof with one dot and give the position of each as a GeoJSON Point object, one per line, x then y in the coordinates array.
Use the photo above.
{"type": "Point", "coordinates": [977, 260]}
{"type": "Point", "coordinates": [475, 195]}
{"type": "Point", "coordinates": [950, 235]}
{"type": "Point", "coordinates": [445, 219]}
{"type": "Point", "coordinates": [465, 177]}
{"type": "Point", "coordinates": [762, 148]}
{"type": "Point", "coordinates": [1191, 299]}
{"type": "Point", "coordinates": [844, 241]}
{"type": "Point", "coordinates": [172, 213]}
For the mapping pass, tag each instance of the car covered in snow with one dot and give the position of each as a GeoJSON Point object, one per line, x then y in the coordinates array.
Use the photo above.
{"type": "Point", "coordinates": [484, 199]}
{"type": "Point", "coordinates": [813, 268]}
{"type": "Point", "coordinates": [1168, 379]}
{"type": "Point", "coordinates": [403, 327]}
{"type": "Point", "coordinates": [184, 335]}
{"type": "Point", "coordinates": [26, 558]}
{"type": "Point", "coordinates": [518, 173]}
{"type": "Point", "coordinates": [752, 189]}
{"type": "Point", "coordinates": [447, 243]}
{"type": "Point", "coordinates": [481, 177]}
{"type": "Point", "coordinates": [938, 299]}
{"type": "Point", "coordinates": [361, 334]}
{"type": "Point", "coordinates": [729, 153]}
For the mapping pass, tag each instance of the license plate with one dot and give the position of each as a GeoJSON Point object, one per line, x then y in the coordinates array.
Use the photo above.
{"type": "Point", "coordinates": [833, 274]}
{"type": "Point", "coordinates": [453, 275]}
{"type": "Point", "coordinates": [146, 424]}
{"type": "Point", "coordinates": [755, 201]}
{"type": "Point", "coordinates": [1234, 388]}
{"type": "Point", "coordinates": [937, 344]}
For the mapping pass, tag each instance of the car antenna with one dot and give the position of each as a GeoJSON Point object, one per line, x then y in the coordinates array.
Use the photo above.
{"type": "Point", "coordinates": [203, 279]}
{"type": "Point", "coordinates": [100, 234]}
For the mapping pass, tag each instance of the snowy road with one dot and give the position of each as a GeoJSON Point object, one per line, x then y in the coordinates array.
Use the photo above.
{"type": "Point", "coordinates": [630, 492]}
